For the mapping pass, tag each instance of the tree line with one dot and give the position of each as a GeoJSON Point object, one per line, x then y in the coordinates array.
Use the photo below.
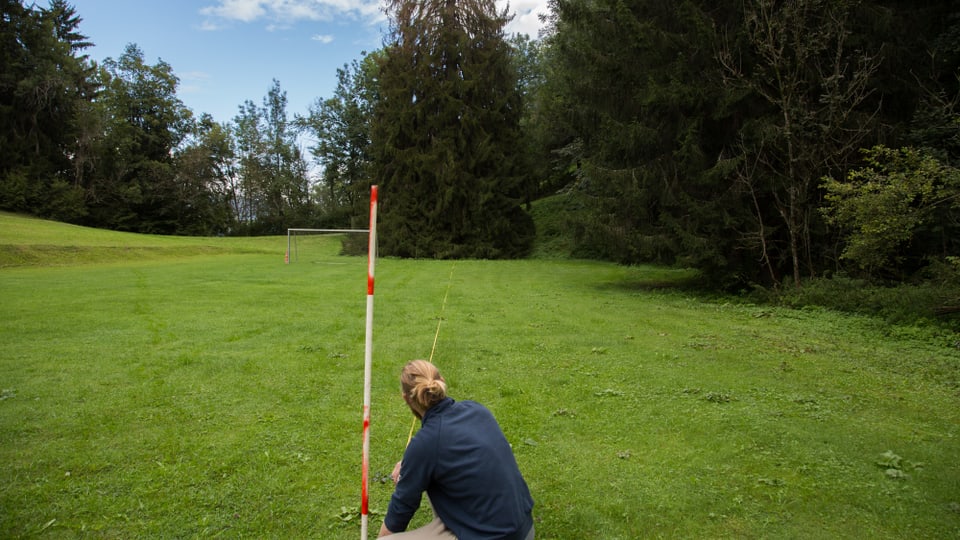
{"type": "Point", "coordinates": [760, 141]}
{"type": "Point", "coordinates": [747, 138]}
{"type": "Point", "coordinates": [111, 145]}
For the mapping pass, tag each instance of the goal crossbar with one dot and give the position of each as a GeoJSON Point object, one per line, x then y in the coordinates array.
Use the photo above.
{"type": "Point", "coordinates": [328, 230]}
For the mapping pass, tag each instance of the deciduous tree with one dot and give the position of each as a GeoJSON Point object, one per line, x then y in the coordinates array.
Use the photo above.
{"type": "Point", "coordinates": [274, 183]}
{"type": "Point", "coordinates": [340, 125]}
{"type": "Point", "coordinates": [135, 187]}
{"type": "Point", "coordinates": [815, 115]}
{"type": "Point", "coordinates": [206, 178]}
{"type": "Point", "coordinates": [897, 196]}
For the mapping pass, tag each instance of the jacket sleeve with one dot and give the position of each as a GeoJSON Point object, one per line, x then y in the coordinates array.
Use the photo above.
{"type": "Point", "coordinates": [415, 474]}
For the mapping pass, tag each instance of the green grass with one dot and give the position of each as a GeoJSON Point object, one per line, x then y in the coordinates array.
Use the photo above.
{"type": "Point", "coordinates": [553, 216]}
{"type": "Point", "coordinates": [208, 389]}
{"type": "Point", "coordinates": [34, 242]}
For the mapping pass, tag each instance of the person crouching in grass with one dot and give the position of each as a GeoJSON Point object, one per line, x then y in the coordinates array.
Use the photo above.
{"type": "Point", "coordinates": [464, 463]}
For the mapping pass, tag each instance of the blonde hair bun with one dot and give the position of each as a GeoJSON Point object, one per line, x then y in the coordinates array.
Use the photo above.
{"type": "Point", "coordinates": [422, 384]}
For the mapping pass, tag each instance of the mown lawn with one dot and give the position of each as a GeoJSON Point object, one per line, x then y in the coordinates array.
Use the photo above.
{"type": "Point", "coordinates": [212, 390]}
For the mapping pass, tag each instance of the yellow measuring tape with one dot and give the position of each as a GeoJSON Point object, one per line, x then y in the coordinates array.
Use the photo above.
{"type": "Point", "coordinates": [436, 336]}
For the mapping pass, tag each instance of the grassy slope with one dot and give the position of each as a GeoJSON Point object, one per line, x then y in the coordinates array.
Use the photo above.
{"type": "Point", "coordinates": [28, 241]}
{"type": "Point", "coordinates": [220, 395]}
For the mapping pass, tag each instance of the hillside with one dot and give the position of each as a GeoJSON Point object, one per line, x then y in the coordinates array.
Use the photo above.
{"type": "Point", "coordinates": [29, 241]}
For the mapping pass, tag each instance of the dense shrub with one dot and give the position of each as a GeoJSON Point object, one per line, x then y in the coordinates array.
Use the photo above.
{"type": "Point", "coordinates": [903, 304]}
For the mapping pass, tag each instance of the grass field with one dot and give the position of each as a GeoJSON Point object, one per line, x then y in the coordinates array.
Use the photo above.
{"type": "Point", "coordinates": [155, 387]}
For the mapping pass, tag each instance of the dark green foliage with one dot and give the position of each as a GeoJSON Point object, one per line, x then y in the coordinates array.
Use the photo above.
{"type": "Point", "coordinates": [899, 199]}
{"type": "Point", "coordinates": [921, 305]}
{"type": "Point", "coordinates": [816, 111]}
{"type": "Point", "coordinates": [645, 102]}
{"type": "Point", "coordinates": [446, 137]}
{"type": "Point", "coordinates": [697, 132]}
{"type": "Point", "coordinates": [205, 170]}
{"type": "Point", "coordinates": [134, 186]}
{"type": "Point", "coordinates": [44, 84]}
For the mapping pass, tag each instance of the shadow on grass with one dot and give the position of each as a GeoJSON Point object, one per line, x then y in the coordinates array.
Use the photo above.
{"type": "Point", "coordinates": [650, 278]}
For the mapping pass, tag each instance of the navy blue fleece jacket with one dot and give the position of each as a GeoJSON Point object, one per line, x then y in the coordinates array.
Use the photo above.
{"type": "Point", "coordinates": [461, 458]}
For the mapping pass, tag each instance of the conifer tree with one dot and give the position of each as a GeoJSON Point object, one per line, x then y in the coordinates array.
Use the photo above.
{"type": "Point", "coordinates": [45, 83]}
{"type": "Point", "coordinates": [636, 103]}
{"type": "Point", "coordinates": [446, 134]}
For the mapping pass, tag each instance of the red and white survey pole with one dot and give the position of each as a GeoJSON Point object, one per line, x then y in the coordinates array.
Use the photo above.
{"type": "Point", "coordinates": [368, 365]}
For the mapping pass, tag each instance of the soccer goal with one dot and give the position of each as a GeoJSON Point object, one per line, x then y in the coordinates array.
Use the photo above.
{"type": "Point", "coordinates": [319, 243]}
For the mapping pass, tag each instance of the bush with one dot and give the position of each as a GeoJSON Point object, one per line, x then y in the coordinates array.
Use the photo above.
{"type": "Point", "coordinates": [902, 304]}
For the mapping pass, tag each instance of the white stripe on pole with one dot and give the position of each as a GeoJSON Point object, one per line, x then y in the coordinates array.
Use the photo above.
{"type": "Point", "coordinates": [368, 365]}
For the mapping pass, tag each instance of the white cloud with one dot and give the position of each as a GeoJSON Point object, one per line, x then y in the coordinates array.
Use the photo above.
{"type": "Point", "coordinates": [526, 16]}
{"type": "Point", "coordinates": [240, 10]}
{"type": "Point", "coordinates": [194, 82]}
{"type": "Point", "coordinates": [325, 38]}
{"type": "Point", "coordinates": [209, 26]}
{"type": "Point", "coordinates": [283, 13]}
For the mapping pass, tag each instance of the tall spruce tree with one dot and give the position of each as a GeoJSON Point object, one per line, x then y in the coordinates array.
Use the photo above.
{"type": "Point", "coordinates": [640, 111]}
{"type": "Point", "coordinates": [446, 134]}
{"type": "Point", "coordinates": [45, 83]}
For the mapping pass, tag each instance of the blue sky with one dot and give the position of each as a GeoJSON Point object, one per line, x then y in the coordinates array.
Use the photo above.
{"type": "Point", "coordinates": [226, 52]}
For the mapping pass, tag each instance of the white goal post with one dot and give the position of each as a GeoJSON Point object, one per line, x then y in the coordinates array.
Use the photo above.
{"type": "Point", "coordinates": [293, 233]}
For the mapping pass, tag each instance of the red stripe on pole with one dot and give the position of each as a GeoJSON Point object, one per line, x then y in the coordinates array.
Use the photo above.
{"type": "Point", "coordinates": [371, 248]}
{"type": "Point", "coordinates": [364, 495]}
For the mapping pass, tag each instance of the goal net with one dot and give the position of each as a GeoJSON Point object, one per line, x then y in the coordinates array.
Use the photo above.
{"type": "Point", "coordinates": [318, 244]}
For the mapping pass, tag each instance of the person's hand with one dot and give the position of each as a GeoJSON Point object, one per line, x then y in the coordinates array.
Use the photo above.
{"type": "Point", "coordinates": [396, 472]}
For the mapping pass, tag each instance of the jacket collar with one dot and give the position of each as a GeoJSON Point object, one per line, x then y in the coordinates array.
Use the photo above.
{"type": "Point", "coordinates": [438, 408]}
